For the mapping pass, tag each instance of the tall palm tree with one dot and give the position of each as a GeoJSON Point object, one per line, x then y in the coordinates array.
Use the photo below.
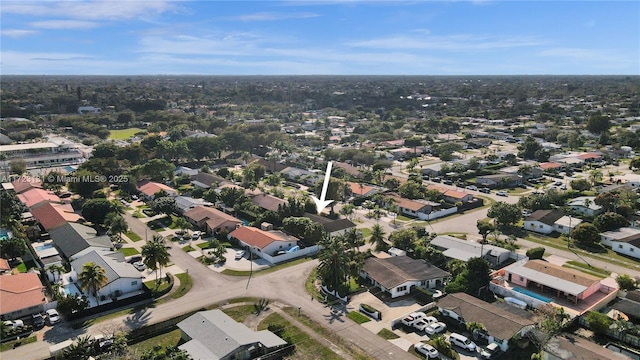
{"type": "Point", "coordinates": [333, 269]}
{"type": "Point", "coordinates": [116, 224]}
{"type": "Point", "coordinates": [595, 176]}
{"type": "Point", "coordinates": [182, 224]}
{"type": "Point", "coordinates": [92, 278]}
{"type": "Point", "coordinates": [377, 238]}
{"type": "Point", "coordinates": [56, 269]}
{"type": "Point", "coordinates": [155, 254]}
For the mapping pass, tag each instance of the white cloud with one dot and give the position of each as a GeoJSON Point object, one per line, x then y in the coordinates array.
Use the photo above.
{"type": "Point", "coordinates": [460, 42]}
{"type": "Point", "coordinates": [273, 16]}
{"type": "Point", "coordinates": [88, 10]}
{"type": "Point", "coordinates": [16, 33]}
{"type": "Point", "coordinates": [64, 24]}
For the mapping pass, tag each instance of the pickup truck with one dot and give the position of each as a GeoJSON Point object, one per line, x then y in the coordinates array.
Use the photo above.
{"type": "Point", "coordinates": [412, 318]}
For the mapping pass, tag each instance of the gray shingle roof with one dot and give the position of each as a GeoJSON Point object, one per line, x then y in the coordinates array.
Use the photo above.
{"type": "Point", "coordinates": [547, 217]}
{"type": "Point", "coordinates": [112, 262]}
{"type": "Point", "coordinates": [331, 225]}
{"type": "Point", "coordinates": [71, 238]}
{"type": "Point", "coordinates": [215, 335]}
{"type": "Point", "coordinates": [397, 270]}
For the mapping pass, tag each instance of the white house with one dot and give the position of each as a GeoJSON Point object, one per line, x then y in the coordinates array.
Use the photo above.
{"type": "Point", "coordinates": [585, 205]}
{"type": "Point", "coordinates": [625, 241]}
{"type": "Point", "coordinates": [464, 250]}
{"type": "Point", "coordinates": [399, 275]}
{"type": "Point", "coordinates": [542, 221]}
{"type": "Point", "coordinates": [500, 324]}
{"type": "Point", "coordinates": [122, 278]}
{"type": "Point", "coordinates": [150, 188]}
{"type": "Point", "coordinates": [566, 224]}
{"type": "Point", "coordinates": [261, 241]}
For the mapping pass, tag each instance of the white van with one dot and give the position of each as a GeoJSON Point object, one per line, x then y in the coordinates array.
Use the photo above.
{"type": "Point", "coordinates": [462, 341]}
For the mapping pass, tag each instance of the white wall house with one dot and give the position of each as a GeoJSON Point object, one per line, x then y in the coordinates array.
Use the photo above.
{"type": "Point", "coordinates": [586, 205]}
{"type": "Point", "coordinates": [630, 248]}
{"type": "Point", "coordinates": [542, 221]}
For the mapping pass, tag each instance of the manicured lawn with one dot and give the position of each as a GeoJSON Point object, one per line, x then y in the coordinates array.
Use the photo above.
{"type": "Point", "coordinates": [133, 236]}
{"type": "Point", "coordinates": [129, 251]}
{"type": "Point", "coordinates": [157, 289]}
{"type": "Point", "coordinates": [240, 313]}
{"type": "Point", "coordinates": [387, 334]}
{"type": "Point", "coordinates": [204, 245]}
{"type": "Point", "coordinates": [358, 317]}
{"type": "Point", "coordinates": [123, 134]}
{"type": "Point", "coordinates": [265, 271]}
{"type": "Point", "coordinates": [591, 270]}
{"type": "Point", "coordinates": [164, 340]}
{"type": "Point", "coordinates": [185, 285]}
{"type": "Point", "coordinates": [366, 232]}
{"type": "Point", "coordinates": [9, 344]}
{"type": "Point", "coordinates": [22, 267]}
{"type": "Point", "coordinates": [306, 346]}
{"type": "Point", "coordinates": [188, 248]}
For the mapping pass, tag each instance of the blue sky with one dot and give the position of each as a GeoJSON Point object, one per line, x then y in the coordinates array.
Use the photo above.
{"type": "Point", "coordinates": [347, 37]}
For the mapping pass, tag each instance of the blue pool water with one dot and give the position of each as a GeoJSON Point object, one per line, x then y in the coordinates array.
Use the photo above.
{"type": "Point", "coordinates": [70, 169]}
{"type": "Point", "coordinates": [43, 247]}
{"type": "Point", "coordinates": [71, 289]}
{"type": "Point", "coordinates": [245, 222]}
{"type": "Point", "coordinates": [532, 294]}
{"type": "Point", "coordinates": [5, 234]}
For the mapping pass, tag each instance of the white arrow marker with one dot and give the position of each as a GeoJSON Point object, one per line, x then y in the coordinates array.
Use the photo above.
{"type": "Point", "coordinates": [322, 203]}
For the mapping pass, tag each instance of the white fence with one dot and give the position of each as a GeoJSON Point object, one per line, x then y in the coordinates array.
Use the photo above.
{"type": "Point", "coordinates": [438, 214]}
{"type": "Point", "coordinates": [288, 256]}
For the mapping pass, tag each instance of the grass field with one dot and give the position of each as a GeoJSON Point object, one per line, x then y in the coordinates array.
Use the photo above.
{"type": "Point", "coordinates": [123, 134]}
{"type": "Point", "coordinates": [241, 312]}
{"type": "Point", "coordinates": [387, 334]}
{"type": "Point", "coordinates": [129, 251]}
{"type": "Point", "coordinates": [185, 285]}
{"type": "Point", "coordinates": [170, 338]}
{"type": "Point", "coordinates": [133, 236]}
{"type": "Point", "coordinates": [9, 344]}
{"type": "Point", "coordinates": [357, 317]}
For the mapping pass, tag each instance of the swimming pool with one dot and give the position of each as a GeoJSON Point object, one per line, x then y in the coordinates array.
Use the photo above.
{"type": "Point", "coordinates": [5, 234]}
{"type": "Point", "coordinates": [71, 289]}
{"type": "Point", "coordinates": [44, 247]}
{"type": "Point", "coordinates": [532, 294]}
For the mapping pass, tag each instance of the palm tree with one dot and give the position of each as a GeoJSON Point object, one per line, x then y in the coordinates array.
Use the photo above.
{"type": "Point", "coordinates": [80, 350]}
{"type": "Point", "coordinates": [155, 254]}
{"type": "Point", "coordinates": [333, 269]}
{"type": "Point", "coordinates": [182, 224]}
{"type": "Point", "coordinates": [92, 278]}
{"type": "Point", "coordinates": [56, 269]}
{"type": "Point", "coordinates": [116, 224]}
{"type": "Point", "coordinates": [377, 238]}
{"type": "Point", "coordinates": [595, 176]}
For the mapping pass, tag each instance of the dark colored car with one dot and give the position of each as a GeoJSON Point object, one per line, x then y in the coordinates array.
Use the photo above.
{"type": "Point", "coordinates": [38, 321]}
{"type": "Point", "coordinates": [134, 259]}
{"type": "Point", "coordinates": [448, 182]}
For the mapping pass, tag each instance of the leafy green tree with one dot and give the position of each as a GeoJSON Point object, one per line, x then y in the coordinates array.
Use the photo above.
{"type": "Point", "coordinates": [484, 229]}
{"type": "Point", "coordinates": [626, 282]}
{"type": "Point", "coordinates": [116, 224]}
{"type": "Point", "coordinates": [164, 205]}
{"type": "Point", "coordinates": [18, 166]}
{"type": "Point", "coordinates": [11, 208]}
{"type": "Point", "coordinates": [56, 270]}
{"type": "Point", "coordinates": [89, 181]}
{"type": "Point", "coordinates": [529, 148]}
{"type": "Point", "coordinates": [12, 248]}
{"type": "Point", "coordinates": [403, 239]}
{"type": "Point", "coordinates": [155, 254]}
{"type": "Point", "coordinates": [92, 278]}
{"type": "Point", "coordinates": [472, 279]}
{"type": "Point", "coordinates": [552, 321]}
{"type": "Point", "coordinates": [377, 238]}
{"type": "Point", "coordinates": [182, 224]}
{"type": "Point", "coordinates": [580, 185]}
{"type": "Point", "coordinates": [595, 176]}
{"type": "Point", "coordinates": [157, 169]}
{"type": "Point", "coordinates": [347, 210]}
{"type": "Point", "coordinates": [634, 163]}
{"type": "Point", "coordinates": [535, 253]}
{"type": "Point", "coordinates": [598, 322]}
{"type": "Point", "coordinates": [609, 221]}
{"type": "Point", "coordinates": [586, 234]}
{"type": "Point", "coordinates": [598, 124]}
{"type": "Point", "coordinates": [80, 350]}
{"type": "Point", "coordinates": [96, 210]}
{"type": "Point", "coordinates": [608, 200]}
{"type": "Point", "coordinates": [71, 304]}
{"type": "Point", "coordinates": [504, 214]}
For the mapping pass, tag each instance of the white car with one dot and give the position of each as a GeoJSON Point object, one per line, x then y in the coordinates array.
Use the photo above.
{"type": "Point", "coordinates": [139, 265]}
{"type": "Point", "coordinates": [240, 254]}
{"type": "Point", "coordinates": [427, 350]}
{"type": "Point", "coordinates": [412, 318]}
{"type": "Point", "coordinates": [501, 193]}
{"type": "Point", "coordinates": [435, 328]}
{"type": "Point", "coordinates": [196, 235]}
{"type": "Point", "coordinates": [14, 324]}
{"type": "Point", "coordinates": [52, 316]}
{"type": "Point", "coordinates": [472, 187]}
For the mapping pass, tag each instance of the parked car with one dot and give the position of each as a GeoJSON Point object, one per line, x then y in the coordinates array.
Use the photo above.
{"type": "Point", "coordinates": [412, 318]}
{"type": "Point", "coordinates": [447, 182]}
{"type": "Point", "coordinates": [462, 341]}
{"type": "Point", "coordinates": [436, 179]}
{"type": "Point", "coordinates": [472, 188]}
{"type": "Point", "coordinates": [52, 316]}
{"type": "Point", "coordinates": [502, 193]}
{"type": "Point", "coordinates": [563, 187]}
{"type": "Point", "coordinates": [14, 324]}
{"type": "Point", "coordinates": [435, 328]}
{"type": "Point", "coordinates": [427, 350]}
{"type": "Point", "coordinates": [38, 321]}
{"type": "Point", "coordinates": [196, 235]}
{"type": "Point", "coordinates": [139, 265]}
{"type": "Point", "coordinates": [557, 183]}
{"type": "Point", "coordinates": [485, 190]}
{"type": "Point", "coordinates": [135, 259]}
{"type": "Point", "coordinates": [421, 324]}
{"type": "Point", "coordinates": [492, 351]}
{"type": "Point", "coordinates": [240, 254]}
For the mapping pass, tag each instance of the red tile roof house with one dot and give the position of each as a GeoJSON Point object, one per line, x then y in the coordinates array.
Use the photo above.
{"type": "Point", "coordinates": [263, 242]}
{"type": "Point", "coordinates": [211, 220]}
{"type": "Point", "coordinates": [25, 183]}
{"type": "Point", "coordinates": [22, 295]}
{"type": "Point", "coordinates": [36, 195]}
{"type": "Point", "coordinates": [51, 216]}
{"type": "Point", "coordinates": [150, 188]}
{"type": "Point", "coordinates": [454, 196]}
{"type": "Point", "coordinates": [268, 202]}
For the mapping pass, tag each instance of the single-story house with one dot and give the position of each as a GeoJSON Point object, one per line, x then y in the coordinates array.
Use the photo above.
{"type": "Point", "coordinates": [210, 335]}
{"type": "Point", "coordinates": [25, 183]}
{"type": "Point", "coordinates": [363, 190]}
{"type": "Point", "coordinates": [557, 280]}
{"type": "Point", "coordinates": [454, 196]}
{"type": "Point", "coordinates": [629, 305]}
{"type": "Point", "coordinates": [431, 170]}
{"type": "Point", "coordinates": [414, 208]}
{"type": "Point", "coordinates": [500, 324]}
{"type": "Point", "coordinates": [585, 205]}
{"type": "Point", "coordinates": [550, 166]}
{"type": "Point", "coordinates": [205, 180]}
{"type": "Point", "coordinates": [268, 202]}
{"type": "Point", "coordinates": [548, 221]}
{"type": "Point", "coordinates": [499, 180]}
{"type": "Point", "coordinates": [211, 220]}
{"type": "Point", "coordinates": [348, 168]}
{"type": "Point", "coordinates": [36, 195]}
{"type": "Point", "coordinates": [51, 215]}
{"type": "Point", "coordinates": [22, 295]}
{"type": "Point", "coordinates": [150, 188]}
{"type": "Point", "coordinates": [122, 277]}
{"type": "Point", "coordinates": [464, 250]}
{"type": "Point", "coordinates": [569, 347]}
{"type": "Point", "coordinates": [332, 227]}
{"type": "Point", "coordinates": [628, 179]}
{"type": "Point", "coordinates": [183, 170]}
{"type": "Point", "coordinates": [625, 241]}
{"type": "Point", "coordinates": [74, 240]}
{"type": "Point", "coordinates": [186, 203]}
{"type": "Point", "coordinates": [263, 241]}
{"type": "Point", "coordinates": [398, 275]}
{"type": "Point", "coordinates": [301, 176]}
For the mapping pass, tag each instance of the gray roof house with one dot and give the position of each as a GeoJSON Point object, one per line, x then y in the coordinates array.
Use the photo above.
{"type": "Point", "coordinates": [213, 335]}
{"type": "Point", "coordinates": [332, 227]}
{"type": "Point", "coordinates": [585, 205]}
{"type": "Point", "coordinates": [464, 250]}
{"type": "Point", "coordinates": [398, 275]}
{"type": "Point", "coordinates": [75, 240]}
{"type": "Point", "coordinates": [186, 203]}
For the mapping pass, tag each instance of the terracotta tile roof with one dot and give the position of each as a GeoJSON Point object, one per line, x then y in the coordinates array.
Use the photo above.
{"type": "Point", "coordinates": [34, 196]}
{"type": "Point", "coordinates": [213, 217]}
{"type": "Point", "coordinates": [52, 216]}
{"type": "Point", "coordinates": [550, 165]}
{"type": "Point", "coordinates": [456, 194]}
{"type": "Point", "coordinates": [24, 183]}
{"type": "Point", "coordinates": [357, 190]}
{"type": "Point", "coordinates": [413, 205]}
{"type": "Point", "coordinates": [4, 265]}
{"type": "Point", "coordinates": [589, 155]}
{"type": "Point", "coordinates": [20, 291]}
{"type": "Point", "coordinates": [150, 188]}
{"type": "Point", "coordinates": [255, 237]}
